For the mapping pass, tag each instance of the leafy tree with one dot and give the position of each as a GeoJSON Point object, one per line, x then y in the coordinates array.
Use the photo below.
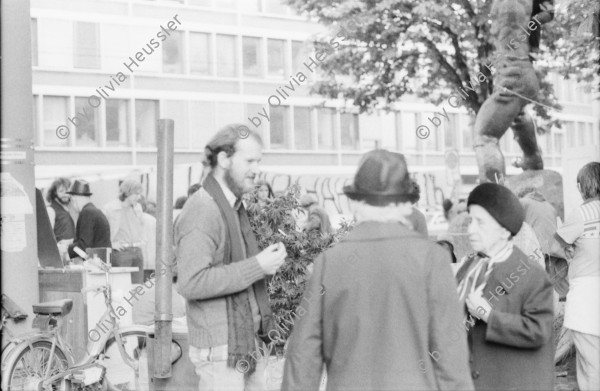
{"type": "Point", "coordinates": [428, 48]}
{"type": "Point", "coordinates": [574, 39]}
{"type": "Point", "coordinates": [274, 223]}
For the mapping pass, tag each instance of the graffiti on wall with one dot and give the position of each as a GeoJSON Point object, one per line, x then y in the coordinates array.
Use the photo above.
{"type": "Point", "coordinates": [329, 189]}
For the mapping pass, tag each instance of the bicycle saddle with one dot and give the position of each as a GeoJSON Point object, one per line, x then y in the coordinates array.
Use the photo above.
{"type": "Point", "coordinates": [57, 307]}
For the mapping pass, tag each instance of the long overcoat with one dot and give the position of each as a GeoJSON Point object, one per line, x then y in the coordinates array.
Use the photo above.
{"type": "Point", "coordinates": [514, 350]}
{"type": "Point", "coordinates": [377, 312]}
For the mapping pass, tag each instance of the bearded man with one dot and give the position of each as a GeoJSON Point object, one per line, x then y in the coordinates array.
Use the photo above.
{"type": "Point", "coordinates": [221, 273]}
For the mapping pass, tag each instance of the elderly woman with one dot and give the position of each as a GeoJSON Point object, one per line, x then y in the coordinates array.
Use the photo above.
{"type": "Point", "coordinates": [508, 298]}
{"type": "Point", "coordinates": [580, 238]}
{"type": "Point", "coordinates": [377, 309]}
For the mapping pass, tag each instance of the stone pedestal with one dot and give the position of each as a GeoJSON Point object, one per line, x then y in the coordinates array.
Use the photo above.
{"type": "Point", "coordinates": [548, 183]}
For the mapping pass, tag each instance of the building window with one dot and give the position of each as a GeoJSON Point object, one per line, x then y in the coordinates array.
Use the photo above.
{"type": "Point", "coordinates": [349, 130]}
{"type": "Point", "coordinates": [406, 136]}
{"type": "Point", "coordinates": [275, 7]}
{"type": "Point", "coordinates": [86, 45]}
{"type": "Point", "coordinates": [571, 134]}
{"type": "Point", "coordinates": [251, 5]}
{"type": "Point", "coordinates": [88, 123]}
{"type": "Point", "coordinates": [399, 129]}
{"type": "Point", "coordinates": [34, 42]}
{"type": "Point", "coordinates": [200, 54]}
{"type": "Point", "coordinates": [299, 55]}
{"type": "Point", "coordinates": [558, 143]}
{"type": "Point", "coordinates": [279, 126]}
{"type": "Point", "coordinates": [226, 111]}
{"type": "Point", "coordinates": [226, 56]}
{"type": "Point", "coordinates": [56, 112]}
{"type": "Point", "coordinates": [146, 115]}
{"type": "Point", "coordinates": [227, 4]}
{"type": "Point", "coordinates": [467, 135]}
{"type": "Point", "coordinates": [302, 128]}
{"type": "Point", "coordinates": [276, 56]}
{"type": "Point", "coordinates": [544, 143]}
{"type": "Point", "coordinates": [582, 134]}
{"type": "Point", "coordinates": [172, 54]}
{"type": "Point", "coordinates": [35, 118]}
{"type": "Point", "coordinates": [202, 123]}
{"type": "Point", "coordinates": [450, 131]}
{"type": "Point", "coordinates": [252, 60]}
{"type": "Point", "coordinates": [326, 124]}
{"type": "Point", "coordinates": [200, 3]}
{"type": "Point", "coordinates": [117, 122]}
{"type": "Point", "coordinates": [175, 110]}
{"type": "Point", "coordinates": [432, 142]}
{"type": "Point", "coordinates": [590, 130]}
{"type": "Point", "coordinates": [254, 119]}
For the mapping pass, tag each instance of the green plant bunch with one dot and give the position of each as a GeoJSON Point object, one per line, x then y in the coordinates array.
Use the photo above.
{"type": "Point", "coordinates": [275, 222]}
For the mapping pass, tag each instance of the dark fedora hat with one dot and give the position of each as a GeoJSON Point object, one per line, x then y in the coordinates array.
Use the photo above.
{"type": "Point", "coordinates": [382, 178]}
{"type": "Point", "coordinates": [80, 187]}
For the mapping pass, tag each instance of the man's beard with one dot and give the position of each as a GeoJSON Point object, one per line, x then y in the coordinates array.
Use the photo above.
{"type": "Point", "coordinates": [233, 186]}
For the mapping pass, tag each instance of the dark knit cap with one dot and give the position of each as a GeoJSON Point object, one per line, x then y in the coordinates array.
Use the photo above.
{"type": "Point", "coordinates": [501, 203]}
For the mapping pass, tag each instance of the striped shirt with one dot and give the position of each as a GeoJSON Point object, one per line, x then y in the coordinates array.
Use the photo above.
{"type": "Point", "coordinates": [581, 229]}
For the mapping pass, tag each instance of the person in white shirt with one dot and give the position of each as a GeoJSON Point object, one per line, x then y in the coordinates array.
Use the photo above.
{"type": "Point", "coordinates": [126, 221]}
{"type": "Point", "coordinates": [579, 237]}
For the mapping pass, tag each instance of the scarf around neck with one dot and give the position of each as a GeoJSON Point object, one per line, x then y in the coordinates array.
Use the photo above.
{"type": "Point", "coordinates": [240, 323]}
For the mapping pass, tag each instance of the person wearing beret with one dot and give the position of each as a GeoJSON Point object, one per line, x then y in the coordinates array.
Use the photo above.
{"type": "Point", "coordinates": [92, 228]}
{"type": "Point", "coordinates": [379, 305]}
{"type": "Point", "coordinates": [508, 297]}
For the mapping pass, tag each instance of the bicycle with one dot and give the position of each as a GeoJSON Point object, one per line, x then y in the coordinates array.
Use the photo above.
{"type": "Point", "coordinates": [43, 360]}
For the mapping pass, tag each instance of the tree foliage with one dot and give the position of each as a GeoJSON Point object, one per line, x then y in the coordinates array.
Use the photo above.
{"type": "Point", "coordinates": [573, 41]}
{"type": "Point", "coordinates": [274, 223]}
{"type": "Point", "coordinates": [429, 48]}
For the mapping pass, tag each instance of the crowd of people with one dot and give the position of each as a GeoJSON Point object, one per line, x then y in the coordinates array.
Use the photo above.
{"type": "Point", "coordinates": [397, 317]}
{"type": "Point", "coordinates": [405, 314]}
{"type": "Point", "coordinates": [121, 225]}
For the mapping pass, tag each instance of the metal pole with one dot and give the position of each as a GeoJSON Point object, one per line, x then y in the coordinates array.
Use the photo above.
{"type": "Point", "coordinates": [163, 315]}
{"type": "Point", "coordinates": [19, 247]}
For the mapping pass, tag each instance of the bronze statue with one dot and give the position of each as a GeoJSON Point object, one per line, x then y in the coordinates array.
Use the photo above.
{"type": "Point", "coordinates": [515, 29]}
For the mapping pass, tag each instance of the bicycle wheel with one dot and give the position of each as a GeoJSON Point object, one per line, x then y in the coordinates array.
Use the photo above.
{"type": "Point", "coordinates": [31, 364]}
{"type": "Point", "coordinates": [119, 374]}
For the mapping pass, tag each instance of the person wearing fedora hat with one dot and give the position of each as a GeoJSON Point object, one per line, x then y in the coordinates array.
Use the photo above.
{"type": "Point", "coordinates": [508, 297]}
{"type": "Point", "coordinates": [379, 304]}
{"type": "Point", "coordinates": [92, 228]}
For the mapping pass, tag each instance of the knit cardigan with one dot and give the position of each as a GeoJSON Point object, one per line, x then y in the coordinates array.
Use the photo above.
{"type": "Point", "coordinates": [203, 279]}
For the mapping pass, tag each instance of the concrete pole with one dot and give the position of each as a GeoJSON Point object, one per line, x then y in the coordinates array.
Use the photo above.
{"type": "Point", "coordinates": [20, 263]}
{"type": "Point", "coordinates": [163, 315]}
